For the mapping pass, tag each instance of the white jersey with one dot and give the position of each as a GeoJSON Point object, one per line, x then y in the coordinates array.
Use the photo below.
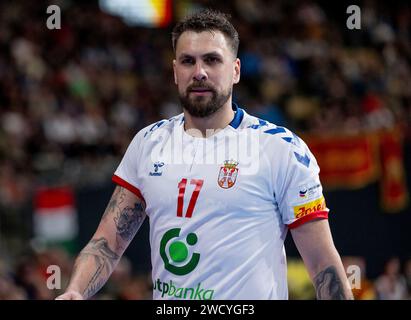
{"type": "Point", "coordinates": [219, 207]}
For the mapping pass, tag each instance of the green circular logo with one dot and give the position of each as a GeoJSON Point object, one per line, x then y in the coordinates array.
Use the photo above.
{"type": "Point", "coordinates": [192, 239]}
{"type": "Point", "coordinates": [178, 252]}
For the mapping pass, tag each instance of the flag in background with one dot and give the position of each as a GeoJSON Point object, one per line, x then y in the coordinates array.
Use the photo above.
{"type": "Point", "coordinates": [394, 191]}
{"type": "Point", "coordinates": [346, 161]}
{"type": "Point", "coordinates": [55, 215]}
{"type": "Point", "coordinates": [354, 161]}
{"type": "Point", "coordinates": [147, 13]}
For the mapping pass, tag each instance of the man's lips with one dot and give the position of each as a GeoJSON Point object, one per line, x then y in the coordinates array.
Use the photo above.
{"type": "Point", "coordinates": [200, 93]}
{"type": "Point", "coordinates": [200, 90]}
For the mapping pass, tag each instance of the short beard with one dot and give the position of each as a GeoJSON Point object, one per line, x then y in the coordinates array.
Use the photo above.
{"type": "Point", "coordinates": [199, 108]}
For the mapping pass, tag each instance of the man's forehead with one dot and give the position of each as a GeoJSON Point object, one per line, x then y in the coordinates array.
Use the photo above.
{"type": "Point", "coordinates": [201, 42]}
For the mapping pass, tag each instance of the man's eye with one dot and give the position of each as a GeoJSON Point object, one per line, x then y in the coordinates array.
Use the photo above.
{"type": "Point", "coordinates": [212, 60]}
{"type": "Point", "coordinates": [187, 61]}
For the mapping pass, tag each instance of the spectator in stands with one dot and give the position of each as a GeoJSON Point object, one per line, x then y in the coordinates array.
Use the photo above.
{"type": "Point", "coordinates": [391, 285]}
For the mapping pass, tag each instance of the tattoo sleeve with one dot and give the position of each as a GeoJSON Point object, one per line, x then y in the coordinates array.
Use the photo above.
{"type": "Point", "coordinates": [129, 220]}
{"type": "Point", "coordinates": [328, 285]}
{"type": "Point", "coordinates": [116, 200]}
{"type": "Point", "coordinates": [104, 260]}
{"type": "Point", "coordinates": [120, 222]}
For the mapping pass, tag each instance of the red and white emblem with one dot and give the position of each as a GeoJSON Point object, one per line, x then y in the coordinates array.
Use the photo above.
{"type": "Point", "coordinates": [228, 174]}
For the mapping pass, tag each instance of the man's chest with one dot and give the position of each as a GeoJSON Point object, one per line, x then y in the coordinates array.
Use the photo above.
{"type": "Point", "coordinates": [180, 175]}
{"type": "Point", "coordinates": [181, 190]}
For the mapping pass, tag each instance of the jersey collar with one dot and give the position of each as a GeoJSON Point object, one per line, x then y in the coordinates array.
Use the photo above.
{"type": "Point", "coordinates": [238, 116]}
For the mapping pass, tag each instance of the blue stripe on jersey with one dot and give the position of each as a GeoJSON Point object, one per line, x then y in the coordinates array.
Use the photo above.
{"type": "Point", "coordinates": [261, 123]}
{"type": "Point", "coordinates": [305, 160]}
{"type": "Point", "coordinates": [288, 139]}
{"type": "Point", "coordinates": [295, 140]}
{"type": "Point", "coordinates": [155, 126]}
{"type": "Point", "coordinates": [275, 130]}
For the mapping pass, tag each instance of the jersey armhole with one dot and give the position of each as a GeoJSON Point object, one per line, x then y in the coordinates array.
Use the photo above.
{"type": "Point", "coordinates": [122, 183]}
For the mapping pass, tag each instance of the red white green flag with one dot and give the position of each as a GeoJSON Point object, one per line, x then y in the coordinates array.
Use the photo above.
{"type": "Point", "coordinates": [55, 215]}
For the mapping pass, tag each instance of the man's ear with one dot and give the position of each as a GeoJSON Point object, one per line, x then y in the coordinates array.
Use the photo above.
{"type": "Point", "coordinates": [237, 71]}
{"type": "Point", "coordinates": [174, 69]}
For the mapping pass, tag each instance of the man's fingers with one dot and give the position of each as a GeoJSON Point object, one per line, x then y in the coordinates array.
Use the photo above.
{"type": "Point", "coordinates": [70, 296]}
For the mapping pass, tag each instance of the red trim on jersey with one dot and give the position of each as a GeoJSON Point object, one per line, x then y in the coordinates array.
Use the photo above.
{"type": "Point", "coordinates": [309, 217]}
{"type": "Point", "coordinates": [128, 186]}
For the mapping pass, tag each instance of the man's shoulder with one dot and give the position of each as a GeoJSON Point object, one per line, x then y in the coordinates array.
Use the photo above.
{"type": "Point", "coordinates": [164, 124]}
{"type": "Point", "coordinates": [269, 131]}
{"type": "Point", "coordinates": [281, 144]}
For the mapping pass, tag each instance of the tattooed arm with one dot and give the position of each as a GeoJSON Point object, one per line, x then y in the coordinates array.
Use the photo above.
{"type": "Point", "coordinates": [315, 244]}
{"type": "Point", "coordinates": [123, 217]}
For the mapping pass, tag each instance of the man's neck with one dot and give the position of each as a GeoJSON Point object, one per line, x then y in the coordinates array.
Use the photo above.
{"type": "Point", "coordinates": [206, 127]}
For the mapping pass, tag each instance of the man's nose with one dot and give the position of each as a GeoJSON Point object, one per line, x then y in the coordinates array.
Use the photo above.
{"type": "Point", "coordinates": [200, 73]}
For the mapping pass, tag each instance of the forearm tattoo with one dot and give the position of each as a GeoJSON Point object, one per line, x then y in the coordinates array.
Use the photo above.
{"type": "Point", "coordinates": [328, 285]}
{"type": "Point", "coordinates": [104, 259]}
{"type": "Point", "coordinates": [127, 221]}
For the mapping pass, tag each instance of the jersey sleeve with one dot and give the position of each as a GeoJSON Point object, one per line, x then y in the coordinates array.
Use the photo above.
{"type": "Point", "coordinates": [300, 197]}
{"type": "Point", "coordinates": [126, 174]}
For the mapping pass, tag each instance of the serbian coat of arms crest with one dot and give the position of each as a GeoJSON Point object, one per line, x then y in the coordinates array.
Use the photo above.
{"type": "Point", "coordinates": [228, 174]}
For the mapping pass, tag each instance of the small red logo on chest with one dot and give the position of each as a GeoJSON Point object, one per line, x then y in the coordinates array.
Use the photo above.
{"type": "Point", "coordinates": [228, 174]}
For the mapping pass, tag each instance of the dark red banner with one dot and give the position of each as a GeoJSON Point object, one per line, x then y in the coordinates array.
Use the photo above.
{"type": "Point", "coordinates": [394, 193]}
{"type": "Point", "coordinates": [346, 161]}
{"type": "Point", "coordinates": [349, 162]}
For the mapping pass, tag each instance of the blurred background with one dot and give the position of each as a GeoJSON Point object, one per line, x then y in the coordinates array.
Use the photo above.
{"type": "Point", "coordinates": [71, 99]}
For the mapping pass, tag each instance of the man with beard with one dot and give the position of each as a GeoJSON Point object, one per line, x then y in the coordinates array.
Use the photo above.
{"type": "Point", "coordinates": [218, 216]}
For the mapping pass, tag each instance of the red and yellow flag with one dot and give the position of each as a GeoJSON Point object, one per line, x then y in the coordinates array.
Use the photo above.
{"type": "Point", "coordinates": [346, 161]}
{"type": "Point", "coordinates": [354, 161]}
{"type": "Point", "coordinates": [394, 193]}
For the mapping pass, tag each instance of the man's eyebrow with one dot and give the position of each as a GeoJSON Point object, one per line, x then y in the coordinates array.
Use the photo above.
{"type": "Point", "coordinates": [213, 54]}
{"type": "Point", "coordinates": [185, 55]}
{"type": "Point", "coordinates": [206, 55]}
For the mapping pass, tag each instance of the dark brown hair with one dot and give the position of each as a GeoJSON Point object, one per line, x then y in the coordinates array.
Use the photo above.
{"type": "Point", "coordinates": [207, 20]}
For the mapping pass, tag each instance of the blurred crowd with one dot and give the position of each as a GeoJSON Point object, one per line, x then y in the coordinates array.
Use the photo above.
{"type": "Point", "coordinates": [72, 99]}
{"type": "Point", "coordinates": [31, 279]}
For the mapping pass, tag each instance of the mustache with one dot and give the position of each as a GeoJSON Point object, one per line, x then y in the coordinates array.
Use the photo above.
{"type": "Point", "coordinates": [202, 85]}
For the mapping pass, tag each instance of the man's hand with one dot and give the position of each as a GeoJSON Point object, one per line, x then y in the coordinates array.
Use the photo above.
{"type": "Point", "coordinates": [70, 295]}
